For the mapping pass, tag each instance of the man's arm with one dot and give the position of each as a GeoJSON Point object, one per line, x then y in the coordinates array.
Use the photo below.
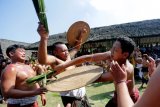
{"type": "Point", "coordinates": [85, 58]}
{"type": "Point", "coordinates": [105, 77]}
{"type": "Point", "coordinates": [152, 65]}
{"type": "Point", "coordinates": [120, 77]}
{"type": "Point", "coordinates": [43, 56]}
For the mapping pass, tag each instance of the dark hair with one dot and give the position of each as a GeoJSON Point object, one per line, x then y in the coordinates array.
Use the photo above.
{"type": "Point", "coordinates": [145, 56]}
{"type": "Point", "coordinates": [12, 48]}
{"type": "Point", "coordinates": [157, 61]}
{"type": "Point", "coordinates": [55, 44]}
{"type": "Point", "coordinates": [127, 44]}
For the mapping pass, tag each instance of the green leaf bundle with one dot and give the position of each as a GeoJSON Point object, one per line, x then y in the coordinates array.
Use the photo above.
{"type": "Point", "coordinates": [38, 78]}
{"type": "Point", "coordinates": [40, 10]}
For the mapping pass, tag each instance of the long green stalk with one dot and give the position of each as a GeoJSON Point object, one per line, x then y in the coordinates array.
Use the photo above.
{"type": "Point", "coordinates": [40, 10]}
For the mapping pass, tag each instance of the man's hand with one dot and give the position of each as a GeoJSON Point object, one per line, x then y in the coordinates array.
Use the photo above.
{"type": "Point", "coordinates": [79, 39]}
{"type": "Point", "coordinates": [40, 90]}
{"type": "Point", "coordinates": [43, 99]}
{"type": "Point", "coordinates": [119, 73]}
{"type": "Point", "coordinates": [42, 31]}
{"type": "Point", "coordinates": [78, 43]}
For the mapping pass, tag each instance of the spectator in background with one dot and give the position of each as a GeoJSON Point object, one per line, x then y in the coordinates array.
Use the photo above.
{"type": "Point", "coordinates": [137, 53]}
{"type": "Point", "coordinates": [138, 68]}
{"type": "Point", "coordinates": [3, 64]}
{"type": "Point", "coordinates": [157, 61]}
{"type": "Point", "coordinates": [145, 64]}
{"type": "Point", "coordinates": [151, 66]}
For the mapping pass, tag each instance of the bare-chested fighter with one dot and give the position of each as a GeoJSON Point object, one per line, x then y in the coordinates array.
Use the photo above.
{"type": "Point", "coordinates": [61, 54]}
{"type": "Point", "coordinates": [120, 52]}
{"type": "Point", "coordinates": [14, 87]}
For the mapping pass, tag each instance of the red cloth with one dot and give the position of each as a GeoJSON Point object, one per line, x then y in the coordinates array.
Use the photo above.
{"type": "Point", "coordinates": [135, 95]}
{"type": "Point", "coordinates": [35, 104]}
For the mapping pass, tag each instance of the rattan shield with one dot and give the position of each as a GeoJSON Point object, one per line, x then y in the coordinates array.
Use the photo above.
{"type": "Point", "coordinates": [74, 30]}
{"type": "Point", "coordinates": [75, 78]}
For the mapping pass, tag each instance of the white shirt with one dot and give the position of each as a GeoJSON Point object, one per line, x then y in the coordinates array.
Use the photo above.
{"type": "Point", "coordinates": [78, 93]}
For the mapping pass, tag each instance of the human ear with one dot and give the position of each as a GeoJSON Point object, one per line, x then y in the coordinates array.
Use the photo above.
{"type": "Point", "coordinates": [11, 54]}
{"type": "Point", "coordinates": [126, 54]}
{"type": "Point", "coordinates": [55, 53]}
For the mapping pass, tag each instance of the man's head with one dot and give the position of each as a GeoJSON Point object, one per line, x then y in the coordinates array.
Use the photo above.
{"type": "Point", "coordinates": [122, 48]}
{"type": "Point", "coordinates": [60, 50]}
{"type": "Point", "coordinates": [16, 51]}
{"type": "Point", "coordinates": [145, 56]}
{"type": "Point", "coordinates": [157, 61]}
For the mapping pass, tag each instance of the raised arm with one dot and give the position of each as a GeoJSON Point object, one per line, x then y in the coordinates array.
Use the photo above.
{"type": "Point", "coordinates": [43, 56]}
{"type": "Point", "coordinates": [152, 65]}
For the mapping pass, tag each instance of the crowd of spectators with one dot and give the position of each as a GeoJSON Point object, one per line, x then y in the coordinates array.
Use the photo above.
{"type": "Point", "coordinates": [142, 59]}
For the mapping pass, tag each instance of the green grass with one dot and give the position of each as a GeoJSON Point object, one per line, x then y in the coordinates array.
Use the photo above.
{"type": "Point", "coordinates": [98, 95]}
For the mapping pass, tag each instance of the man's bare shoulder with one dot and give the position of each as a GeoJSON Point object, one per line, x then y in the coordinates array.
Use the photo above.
{"type": "Point", "coordinates": [9, 70]}
{"type": "Point", "coordinates": [52, 60]}
{"type": "Point", "coordinates": [10, 67]}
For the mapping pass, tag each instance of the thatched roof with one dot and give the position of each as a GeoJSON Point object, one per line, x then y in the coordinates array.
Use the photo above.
{"type": "Point", "coordinates": [136, 29]}
{"type": "Point", "coordinates": [5, 43]}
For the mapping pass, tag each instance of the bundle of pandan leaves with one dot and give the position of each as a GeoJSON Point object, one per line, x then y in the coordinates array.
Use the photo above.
{"type": "Point", "coordinates": [40, 10]}
{"type": "Point", "coordinates": [43, 77]}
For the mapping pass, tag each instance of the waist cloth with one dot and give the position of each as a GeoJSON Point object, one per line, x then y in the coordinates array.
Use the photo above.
{"type": "Point", "coordinates": [22, 101]}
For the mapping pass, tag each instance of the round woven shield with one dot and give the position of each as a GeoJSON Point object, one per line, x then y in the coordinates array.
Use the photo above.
{"type": "Point", "coordinates": [75, 78]}
{"type": "Point", "coordinates": [74, 32]}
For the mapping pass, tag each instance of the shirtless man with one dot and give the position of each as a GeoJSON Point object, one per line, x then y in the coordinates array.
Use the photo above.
{"type": "Point", "coordinates": [14, 87]}
{"type": "Point", "coordinates": [151, 66]}
{"type": "Point", "coordinates": [77, 97]}
{"type": "Point", "coordinates": [120, 52]}
{"type": "Point", "coordinates": [145, 64]}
